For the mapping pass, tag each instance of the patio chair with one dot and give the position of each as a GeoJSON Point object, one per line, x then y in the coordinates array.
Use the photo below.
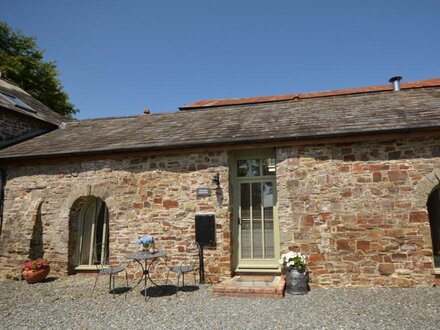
{"type": "Point", "coordinates": [104, 268]}
{"type": "Point", "coordinates": [187, 265]}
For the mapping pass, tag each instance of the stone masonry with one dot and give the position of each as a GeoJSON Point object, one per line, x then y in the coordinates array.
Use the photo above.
{"type": "Point", "coordinates": [358, 211]}
{"type": "Point", "coordinates": [13, 127]}
{"type": "Point", "coordinates": [145, 196]}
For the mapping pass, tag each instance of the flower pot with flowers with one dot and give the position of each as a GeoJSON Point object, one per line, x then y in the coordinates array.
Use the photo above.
{"type": "Point", "coordinates": [148, 244]}
{"type": "Point", "coordinates": [294, 268]}
{"type": "Point", "coordinates": [36, 270]}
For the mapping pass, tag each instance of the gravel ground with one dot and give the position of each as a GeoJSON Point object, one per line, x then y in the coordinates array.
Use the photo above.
{"type": "Point", "coordinates": [67, 303]}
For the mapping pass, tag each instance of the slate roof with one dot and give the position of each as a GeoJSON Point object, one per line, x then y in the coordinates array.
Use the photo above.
{"type": "Point", "coordinates": [330, 116]}
{"type": "Point", "coordinates": [42, 112]}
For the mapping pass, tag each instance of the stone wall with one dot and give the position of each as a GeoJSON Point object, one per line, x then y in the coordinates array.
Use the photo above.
{"type": "Point", "coordinates": [357, 211]}
{"type": "Point", "coordinates": [13, 127]}
{"type": "Point", "coordinates": [145, 196]}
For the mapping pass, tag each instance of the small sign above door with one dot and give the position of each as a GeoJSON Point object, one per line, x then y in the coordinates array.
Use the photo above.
{"type": "Point", "coordinates": [203, 192]}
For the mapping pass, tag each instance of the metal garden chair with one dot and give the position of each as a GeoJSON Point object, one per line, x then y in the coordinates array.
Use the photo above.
{"type": "Point", "coordinates": [188, 264]}
{"type": "Point", "coordinates": [104, 268]}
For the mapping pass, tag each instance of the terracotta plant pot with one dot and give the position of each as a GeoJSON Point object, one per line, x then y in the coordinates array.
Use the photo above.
{"type": "Point", "coordinates": [34, 276]}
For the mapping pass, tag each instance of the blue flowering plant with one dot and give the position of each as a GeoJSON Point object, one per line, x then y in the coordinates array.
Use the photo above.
{"type": "Point", "coordinates": [147, 243]}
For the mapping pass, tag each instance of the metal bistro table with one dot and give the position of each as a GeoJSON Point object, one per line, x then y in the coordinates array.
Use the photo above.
{"type": "Point", "coordinates": [145, 256]}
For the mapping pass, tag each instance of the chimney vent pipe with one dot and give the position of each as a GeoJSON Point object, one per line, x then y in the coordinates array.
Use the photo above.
{"type": "Point", "coordinates": [396, 83]}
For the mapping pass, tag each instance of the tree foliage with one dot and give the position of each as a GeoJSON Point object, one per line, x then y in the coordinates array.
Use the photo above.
{"type": "Point", "coordinates": [22, 62]}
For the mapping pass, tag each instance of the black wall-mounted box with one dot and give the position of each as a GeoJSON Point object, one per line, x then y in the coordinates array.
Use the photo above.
{"type": "Point", "coordinates": [205, 229]}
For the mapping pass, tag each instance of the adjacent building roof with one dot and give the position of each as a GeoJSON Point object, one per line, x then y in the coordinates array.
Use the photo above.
{"type": "Point", "coordinates": [339, 114]}
{"type": "Point", "coordinates": [31, 108]}
{"type": "Point", "coordinates": [286, 97]}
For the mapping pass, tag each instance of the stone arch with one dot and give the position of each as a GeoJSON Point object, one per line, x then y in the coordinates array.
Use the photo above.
{"type": "Point", "coordinates": [102, 192]}
{"type": "Point", "coordinates": [425, 187]}
{"type": "Point", "coordinates": [76, 216]}
{"type": "Point", "coordinates": [69, 213]}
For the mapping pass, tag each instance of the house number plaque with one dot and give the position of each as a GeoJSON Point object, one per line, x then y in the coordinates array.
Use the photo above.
{"type": "Point", "coordinates": [203, 192]}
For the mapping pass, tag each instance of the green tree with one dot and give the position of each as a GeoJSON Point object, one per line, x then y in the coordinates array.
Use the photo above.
{"type": "Point", "coordinates": [22, 62]}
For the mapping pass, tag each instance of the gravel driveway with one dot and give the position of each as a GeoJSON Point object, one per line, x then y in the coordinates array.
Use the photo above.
{"type": "Point", "coordinates": [67, 303]}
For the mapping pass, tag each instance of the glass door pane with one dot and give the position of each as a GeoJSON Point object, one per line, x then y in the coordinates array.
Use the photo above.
{"type": "Point", "coordinates": [248, 167]}
{"type": "Point", "coordinates": [101, 237]}
{"type": "Point", "coordinates": [94, 243]}
{"type": "Point", "coordinates": [88, 234]}
{"type": "Point", "coordinates": [256, 221]}
{"type": "Point", "coordinates": [245, 217]}
{"type": "Point", "coordinates": [268, 201]}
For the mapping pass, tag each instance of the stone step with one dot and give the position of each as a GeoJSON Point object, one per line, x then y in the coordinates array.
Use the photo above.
{"type": "Point", "coordinates": [258, 286]}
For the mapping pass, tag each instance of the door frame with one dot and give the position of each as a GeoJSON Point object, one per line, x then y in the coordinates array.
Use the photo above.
{"type": "Point", "coordinates": [239, 266]}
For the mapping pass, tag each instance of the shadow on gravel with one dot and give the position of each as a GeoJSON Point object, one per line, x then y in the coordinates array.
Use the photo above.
{"type": "Point", "coordinates": [49, 279]}
{"type": "Point", "coordinates": [119, 291]}
{"type": "Point", "coordinates": [167, 290]}
{"type": "Point", "coordinates": [188, 288]}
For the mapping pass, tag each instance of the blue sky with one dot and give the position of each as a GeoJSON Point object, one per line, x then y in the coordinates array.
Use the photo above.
{"type": "Point", "coordinates": [118, 57]}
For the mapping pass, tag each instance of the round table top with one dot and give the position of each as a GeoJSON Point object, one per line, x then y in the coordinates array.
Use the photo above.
{"type": "Point", "coordinates": [141, 255]}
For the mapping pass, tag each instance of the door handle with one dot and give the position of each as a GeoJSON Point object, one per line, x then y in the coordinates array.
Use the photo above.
{"type": "Point", "coordinates": [238, 221]}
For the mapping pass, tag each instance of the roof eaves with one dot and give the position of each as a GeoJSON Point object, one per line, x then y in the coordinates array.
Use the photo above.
{"type": "Point", "coordinates": [32, 116]}
{"type": "Point", "coordinates": [217, 143]}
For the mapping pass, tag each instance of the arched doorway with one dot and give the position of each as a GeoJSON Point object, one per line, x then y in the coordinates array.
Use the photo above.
{"type": "Point", "coordinates": [89, 236]}
{"type": "Point", "coordinates": [434, 221]}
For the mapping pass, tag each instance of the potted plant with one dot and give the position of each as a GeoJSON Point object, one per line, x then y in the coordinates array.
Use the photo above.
{"type": "Point", "coordinates": [36, 270]}
{"type": "Point", "coordinates": [294, 268]}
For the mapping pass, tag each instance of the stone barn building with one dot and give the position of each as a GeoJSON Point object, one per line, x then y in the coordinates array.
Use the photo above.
{"type": "Point", "coordinates": [349, 177]}
{"type": "Point", "coordinates": [22, 116]}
